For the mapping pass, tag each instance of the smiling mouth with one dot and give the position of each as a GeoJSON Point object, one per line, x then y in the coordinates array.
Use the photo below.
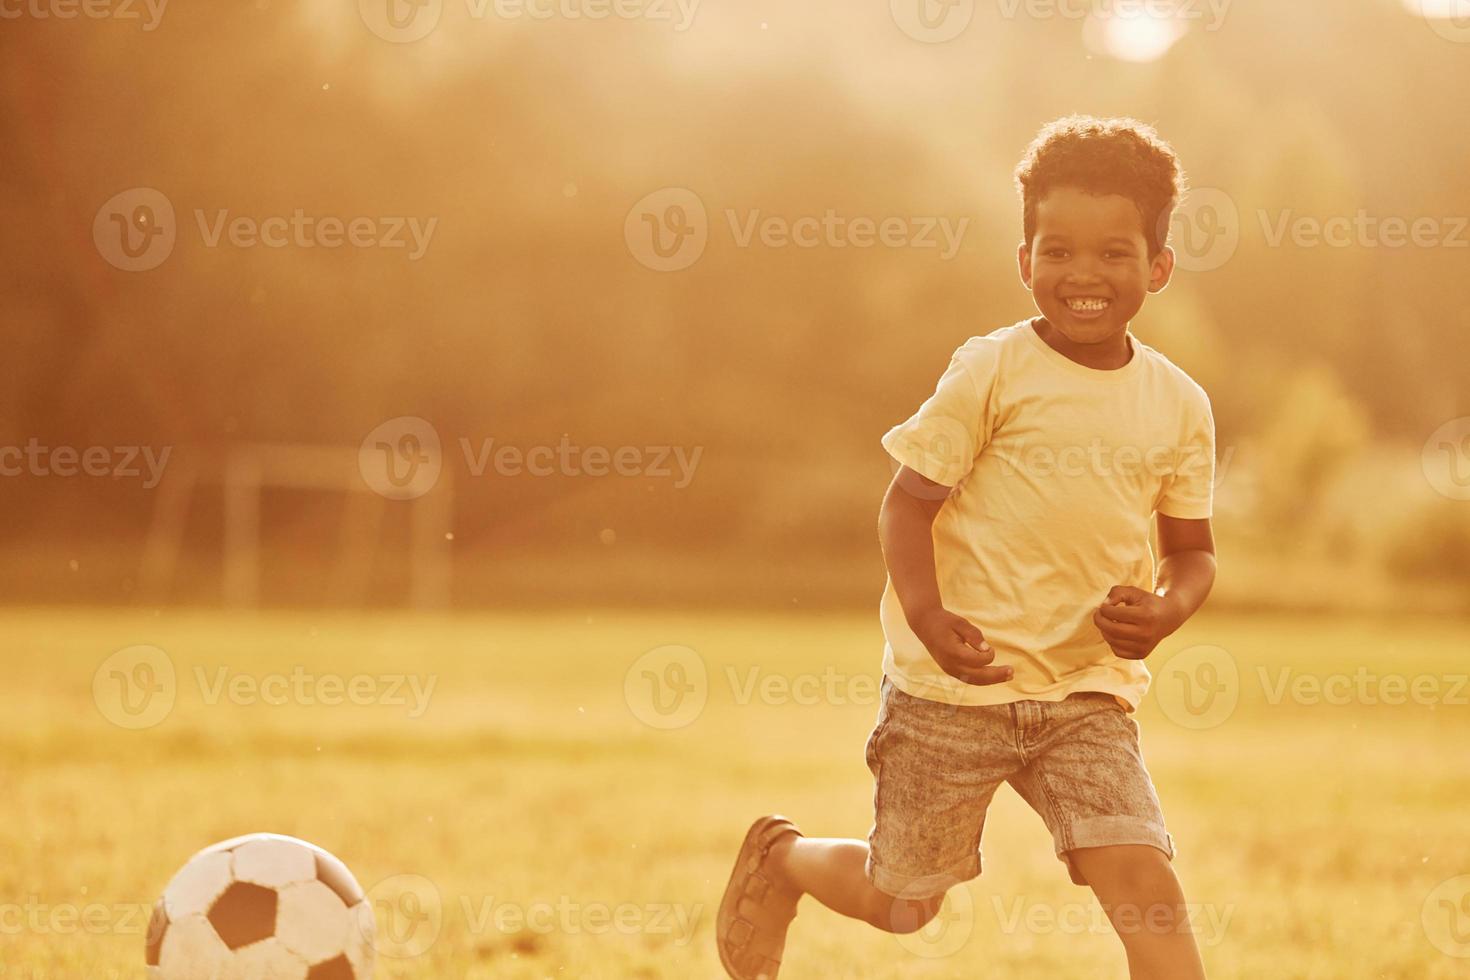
{"type": "Point", "coordinates": [1087, 306]}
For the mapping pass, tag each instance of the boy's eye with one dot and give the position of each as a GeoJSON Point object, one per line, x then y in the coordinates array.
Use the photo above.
{"type": "Point", "coordinates": [1114, 253]}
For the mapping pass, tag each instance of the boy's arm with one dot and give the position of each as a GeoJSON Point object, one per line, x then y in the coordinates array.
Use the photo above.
{"type": "Point", "coordinates": [906, 532]}
{"type": "Point", "coordinates": [1133, 621]}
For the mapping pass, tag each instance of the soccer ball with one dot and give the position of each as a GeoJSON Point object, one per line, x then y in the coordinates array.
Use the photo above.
{"type": "Point", "coordinates": [262, 907]}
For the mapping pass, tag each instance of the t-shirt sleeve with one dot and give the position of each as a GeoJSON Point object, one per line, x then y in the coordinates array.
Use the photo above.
{"type": "Point", "coordinates": [1188, 492]}
{"type": "Point", "coordinates": [942, 439]}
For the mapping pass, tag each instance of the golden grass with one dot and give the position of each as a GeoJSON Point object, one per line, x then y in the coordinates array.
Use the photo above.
{"type": "Point", "coordinates": [1310, 835]}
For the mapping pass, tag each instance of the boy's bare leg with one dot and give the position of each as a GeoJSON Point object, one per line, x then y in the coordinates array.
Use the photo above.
{"type": "Point", "coordinates": [1137, 887]}
{"type": "Point", "coordinates": [831, 870]}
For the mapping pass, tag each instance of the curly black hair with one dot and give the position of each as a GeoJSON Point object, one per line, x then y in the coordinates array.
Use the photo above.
{"type": "Point", "coordinates": [1104, 156]}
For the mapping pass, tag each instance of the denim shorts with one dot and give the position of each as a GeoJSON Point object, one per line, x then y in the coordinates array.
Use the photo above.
{"type": "Point", "coordinates": [1077, 762]}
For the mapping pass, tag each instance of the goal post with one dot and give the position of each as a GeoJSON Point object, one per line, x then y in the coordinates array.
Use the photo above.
{"type": "Point", "coordinates": [243, 474]}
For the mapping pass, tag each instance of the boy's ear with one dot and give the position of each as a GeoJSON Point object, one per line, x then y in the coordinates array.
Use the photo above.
{"type": "Point", "coordinates": [1161, 270]}
{"type": "Point", "coordinates": [1023, 260]}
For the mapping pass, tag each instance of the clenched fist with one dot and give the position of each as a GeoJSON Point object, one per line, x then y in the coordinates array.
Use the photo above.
{"type": "Point", "coordinates": [1134, 621]}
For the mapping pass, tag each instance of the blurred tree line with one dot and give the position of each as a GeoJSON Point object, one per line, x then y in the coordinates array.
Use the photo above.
{"type": "Point", "coordinates": [529, 319]}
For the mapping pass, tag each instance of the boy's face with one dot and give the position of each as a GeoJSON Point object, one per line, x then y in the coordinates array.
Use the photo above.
{"type": "Point", "coordinates": [1090, 247]}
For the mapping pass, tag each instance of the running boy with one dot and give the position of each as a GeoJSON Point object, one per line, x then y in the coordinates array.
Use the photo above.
{"type": "Point", "coordinates": [1022, 594]}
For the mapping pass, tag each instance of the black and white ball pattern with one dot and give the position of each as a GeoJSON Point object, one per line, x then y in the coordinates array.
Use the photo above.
{"type": "Point", "coordinates": [262, 907]}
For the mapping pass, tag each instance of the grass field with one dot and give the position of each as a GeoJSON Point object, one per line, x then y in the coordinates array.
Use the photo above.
{"type": "Point", "coordinates": [565, 836]}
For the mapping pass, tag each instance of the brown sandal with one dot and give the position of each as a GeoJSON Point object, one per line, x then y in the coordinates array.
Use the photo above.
{"type": "Point", "coordinates": [733, 932]}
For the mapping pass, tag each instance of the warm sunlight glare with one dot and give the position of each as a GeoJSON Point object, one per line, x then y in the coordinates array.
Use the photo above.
{"type": "Point", "coordinates": [1440, 9]}
{"type": "Point", "coordinates": [1134, 36]}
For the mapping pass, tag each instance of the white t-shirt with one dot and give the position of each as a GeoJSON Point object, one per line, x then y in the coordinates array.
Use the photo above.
{"type": "Point", "coordinates": [1057, 469]}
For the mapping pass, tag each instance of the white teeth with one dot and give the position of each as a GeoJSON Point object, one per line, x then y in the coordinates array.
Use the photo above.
{"type": "Point", "coordinates": [1088, 305]}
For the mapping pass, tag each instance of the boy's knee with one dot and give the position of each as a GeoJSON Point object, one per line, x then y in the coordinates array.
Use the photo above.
{"type": "Point", "coordinates": [1129, 869]}
{"type": "Point", "coordinates": [903, 915]}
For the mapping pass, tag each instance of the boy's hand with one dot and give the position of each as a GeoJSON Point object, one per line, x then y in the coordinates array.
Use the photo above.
{"type": "Point", "coordinates": [958, 646]}
{"type": "Point", "coordinates": [1134, 621]}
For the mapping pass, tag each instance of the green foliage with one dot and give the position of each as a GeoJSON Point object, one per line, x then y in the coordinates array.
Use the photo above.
{"type": "Point", "coordinates": [1315, 428]}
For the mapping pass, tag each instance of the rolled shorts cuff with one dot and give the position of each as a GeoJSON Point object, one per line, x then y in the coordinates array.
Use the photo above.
{"type": "Point", "coordinates": [1111, 830]}
{"type": "Point", "coordinates": [921, 886]}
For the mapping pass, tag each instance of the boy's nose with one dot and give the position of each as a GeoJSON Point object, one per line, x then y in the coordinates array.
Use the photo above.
{"type": "Point", "coordinates": [1083, 270]}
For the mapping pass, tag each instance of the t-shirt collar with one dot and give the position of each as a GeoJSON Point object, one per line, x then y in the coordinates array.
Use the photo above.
{"type": "Point", "coordinates": [1028, 327]}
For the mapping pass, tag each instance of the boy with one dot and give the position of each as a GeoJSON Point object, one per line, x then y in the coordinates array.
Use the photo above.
{"type": "Point", "coordinates": [1021, 595]}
